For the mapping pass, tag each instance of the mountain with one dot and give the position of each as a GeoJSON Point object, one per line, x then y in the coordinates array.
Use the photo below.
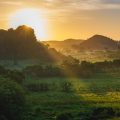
{"type": "Point", "coordinates": [97, 42]}
{"type": "Point", "coordinates": [63, 45]}
{"type": "Point", "coordinates": [21, 44]}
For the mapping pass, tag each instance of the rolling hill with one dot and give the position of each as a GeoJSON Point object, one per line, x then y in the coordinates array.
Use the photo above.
{"type": "Point", "coordinates": [95, 48]}
{"type": "Point", "coordinates": [96, 43]}
{"type": "Point", "coordinates": [63, 45]}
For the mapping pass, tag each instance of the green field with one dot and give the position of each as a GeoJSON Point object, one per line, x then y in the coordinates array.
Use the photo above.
{"type": "Point", "coordinates": [102, 90]}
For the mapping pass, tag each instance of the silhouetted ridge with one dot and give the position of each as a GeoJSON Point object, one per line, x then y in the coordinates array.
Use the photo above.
{"type": "Point", "coordinates": [21, 43]}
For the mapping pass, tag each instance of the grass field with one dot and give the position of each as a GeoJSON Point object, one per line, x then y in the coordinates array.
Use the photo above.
{"type": "Point", "coordinates": [102, 90]}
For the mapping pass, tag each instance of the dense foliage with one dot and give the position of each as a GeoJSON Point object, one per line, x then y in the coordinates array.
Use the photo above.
{"type": "Point", "coordinates": [13, 98]}
{"type": "Point", "coordinates": [71, 68]}
{"type": "Point", "coordinates": [21, 43]}
{"type": "Point", "coordinates": [12, 101]}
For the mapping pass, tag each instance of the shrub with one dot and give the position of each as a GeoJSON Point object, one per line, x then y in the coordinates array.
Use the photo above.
{"type": "Point", "coordinates": [15, 76]}
{"type": "Point", "coordinates": [12, 101]}
{"type": "Point", "coordinates": [64, 116]}
{"type": "Point", "coordinates": [66, 86]}
{"type": "Point", "coordinates": [38, 87]}
{"type": "Point", "coordinates": [102, 113]}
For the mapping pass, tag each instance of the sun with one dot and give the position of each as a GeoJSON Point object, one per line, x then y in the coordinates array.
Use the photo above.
{"type": "Point", "coordinates": [32, 18]}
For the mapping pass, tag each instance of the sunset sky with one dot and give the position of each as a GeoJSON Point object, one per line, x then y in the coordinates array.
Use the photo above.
{"type": "Point", "coordinates": [62, 19]}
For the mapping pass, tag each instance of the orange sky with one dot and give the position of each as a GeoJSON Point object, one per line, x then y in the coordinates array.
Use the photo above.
{"type": "Point", "coordinates": [69, 18]}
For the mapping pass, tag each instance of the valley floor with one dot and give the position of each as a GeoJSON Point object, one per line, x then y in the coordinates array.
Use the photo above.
{"type": "Point", "coordinates": [76, 96]}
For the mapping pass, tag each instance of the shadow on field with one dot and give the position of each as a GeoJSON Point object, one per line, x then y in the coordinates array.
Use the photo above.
{"type": "Point", "coordinates": [52, 97]}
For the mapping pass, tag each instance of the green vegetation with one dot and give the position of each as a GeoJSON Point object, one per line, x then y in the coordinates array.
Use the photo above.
{"type": "Point", "coordinates": [73, 97]}
{"type": "Point", "coordinates": [12, 101]}
{"type": "Point", "coordinates": [101, 91]}
{"type": "Point", "coordinates": [42, 92]}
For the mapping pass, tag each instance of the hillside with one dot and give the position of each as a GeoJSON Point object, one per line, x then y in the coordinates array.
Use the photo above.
{"type": "Point", "coordinates": [97, 42]}
{"type": "Point", "coordinates": [95, 48]}
{"type": "Point", "coordinates": [21, 44]}
{"type": "Point", "coordinates": [94, 43]}
{"type": "Point", "coordinates": [63, 45]}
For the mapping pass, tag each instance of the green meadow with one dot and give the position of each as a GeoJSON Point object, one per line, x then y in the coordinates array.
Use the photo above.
{"type": "Point", "coordinates": [79, 98]}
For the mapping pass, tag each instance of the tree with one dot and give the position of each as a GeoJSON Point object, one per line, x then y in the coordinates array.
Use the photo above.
{"type": "Point", "coordinates": [12, 100]}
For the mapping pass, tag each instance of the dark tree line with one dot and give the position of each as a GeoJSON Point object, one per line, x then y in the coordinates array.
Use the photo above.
{"type": "Point", "coordinates": [14, 75]}
{"type": "Point", "coordinates": [71, 68]}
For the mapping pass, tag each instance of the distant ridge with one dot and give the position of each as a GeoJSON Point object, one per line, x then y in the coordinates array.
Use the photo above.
{"type": "Point", "coordinates": [94, 43]}
{"type": "Point", "coordinates": [97, 42]}
{"type": "Point", "coordinates": [65, 44]}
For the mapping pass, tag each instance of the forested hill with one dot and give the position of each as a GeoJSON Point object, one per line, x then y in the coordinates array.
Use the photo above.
{"type": "Point", "coordinates": [21, 43]}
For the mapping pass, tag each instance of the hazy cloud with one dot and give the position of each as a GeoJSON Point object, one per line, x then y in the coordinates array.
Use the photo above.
{"type": "Point", "coordinates": [111, 1]}
{"type": "Point", "coordinates": [66, 4]}
{"type": "Point", "coordinates": [13, 3]}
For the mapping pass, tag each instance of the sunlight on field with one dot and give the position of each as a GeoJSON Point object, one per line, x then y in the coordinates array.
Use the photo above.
{"type": "Point", "coordinates": [94, 90]}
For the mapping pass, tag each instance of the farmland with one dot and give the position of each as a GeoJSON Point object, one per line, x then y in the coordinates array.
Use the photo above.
{"type": "Point", "coordinates": [82, 97]}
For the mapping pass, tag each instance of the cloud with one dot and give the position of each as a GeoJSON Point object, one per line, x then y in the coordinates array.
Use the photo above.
{"type": "Point", "coordinates": [94, 4]}
{"type": "Point", "coordinates": [13, 3]}
{"type": "Point", "coordinates": [83, 4]}
{"type": "Point", "coordinates": [64, 9]}
{"type": "Point", "coordinates": [111, 1]}
{"type": "Point", "coordinates": [66, 4]}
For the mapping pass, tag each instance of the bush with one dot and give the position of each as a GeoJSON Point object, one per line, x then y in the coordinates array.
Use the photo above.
{"type": "Point", "coordinates": [64, 116]}
{"type": "Point", "coordinates": [42, 71]}
{"type": "Point", "coordinates": [12, 101]}
{"type": "Point", "coordinates": [2, 70]}
{"type": "Point", "coordinates": [38, 87]}
{"type": "Point", "coordinates": [66, 86]}
{"type": "Point", "coordinates": [15, 76]}
{"type": "Point", "coordinates": [102, 113]}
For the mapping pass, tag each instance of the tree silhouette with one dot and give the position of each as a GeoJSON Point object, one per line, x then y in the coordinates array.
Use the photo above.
{"type": "Point", "coordinates": [21, 43]}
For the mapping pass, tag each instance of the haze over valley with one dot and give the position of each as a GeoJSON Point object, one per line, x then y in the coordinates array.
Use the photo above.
{"type": "Point", "coordinates": [95, 48]}
{"type": "Point", "coordinates": [59, 60]}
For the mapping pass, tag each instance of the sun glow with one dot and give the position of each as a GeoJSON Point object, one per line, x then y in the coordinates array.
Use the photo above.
{"type": "Point", "coordinates": [31, 18]}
